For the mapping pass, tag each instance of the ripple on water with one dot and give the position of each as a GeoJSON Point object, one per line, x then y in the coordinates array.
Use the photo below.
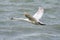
{"type": "Point", "coordinates": [21, 30]}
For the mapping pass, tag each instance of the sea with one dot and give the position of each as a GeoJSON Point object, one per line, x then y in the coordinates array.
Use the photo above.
{"type": "Point", "coordinates": [22, 30]}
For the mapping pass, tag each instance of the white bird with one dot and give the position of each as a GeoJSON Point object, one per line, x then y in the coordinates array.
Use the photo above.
{"type": "Point", "coordinates": [35, 19]}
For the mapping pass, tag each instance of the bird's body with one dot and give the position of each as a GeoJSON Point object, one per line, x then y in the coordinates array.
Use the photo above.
{"type": "Point", "coordinates": [33, 19]}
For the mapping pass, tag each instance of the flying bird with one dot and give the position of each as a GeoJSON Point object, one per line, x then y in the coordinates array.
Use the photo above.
{"type": "Point", "coordinates": [35, 19]}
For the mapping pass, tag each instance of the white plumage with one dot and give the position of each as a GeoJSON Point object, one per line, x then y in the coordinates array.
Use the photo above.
{"type": "Point", "coordinates": [33, 19]}
{"type": "Point", "coordinates": [39, 13]}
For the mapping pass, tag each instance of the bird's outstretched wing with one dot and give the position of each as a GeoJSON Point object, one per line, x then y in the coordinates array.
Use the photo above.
{"type": "Point", "coordinates": [39, 13]}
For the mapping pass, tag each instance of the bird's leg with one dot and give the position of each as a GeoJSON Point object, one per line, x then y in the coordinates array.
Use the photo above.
{"type": "Point", "coordinates": [41, 23]}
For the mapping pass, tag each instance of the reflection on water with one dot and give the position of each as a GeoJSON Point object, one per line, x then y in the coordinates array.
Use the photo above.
{"type": "Point", "coordinates": [21, 30]}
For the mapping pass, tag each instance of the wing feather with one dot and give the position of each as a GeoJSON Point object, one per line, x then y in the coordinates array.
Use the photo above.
{"type": "Point", "coordinates": [39, 13]}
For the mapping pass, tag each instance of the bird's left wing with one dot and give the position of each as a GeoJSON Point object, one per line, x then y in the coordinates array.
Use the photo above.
{"type": "Point", "coordinates": [39, 13]}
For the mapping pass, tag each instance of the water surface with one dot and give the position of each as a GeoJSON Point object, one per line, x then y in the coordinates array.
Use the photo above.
{"type": "Point", "coordinates": [21, 30]}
